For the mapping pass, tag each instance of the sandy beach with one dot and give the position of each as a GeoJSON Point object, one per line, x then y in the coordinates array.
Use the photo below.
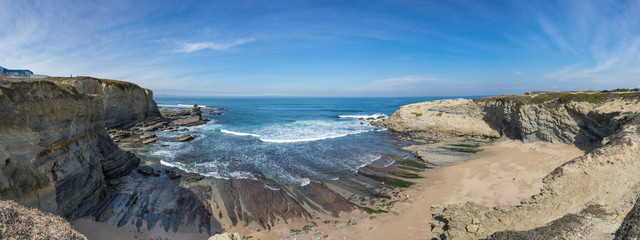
{"type": "Point", "coordinates": [504, 173]}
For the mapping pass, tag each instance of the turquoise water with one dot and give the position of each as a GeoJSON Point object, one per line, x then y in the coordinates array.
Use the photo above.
{"type": "Point", "coordinates": [291, 141]}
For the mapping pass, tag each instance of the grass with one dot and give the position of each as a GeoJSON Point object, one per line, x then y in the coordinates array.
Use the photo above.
{"type": "Point", "coordinates": [565, 97]}
{"type": "Point", "coordinates": [121, 84]}
{"type": "Point", "coordinates": [372, 211]}
{"type": "Point", "coordinates": [406, 175]}
{"type": "Point", "coordinates": [567, 223]}
{"type": "Point", "coordinates": [305, 229]}
{"type": "Point", "coordinates": [596, 210]}
{"type": "Point", "coordinates": [18, 222]}
{"type": "Point", "coordinates": [417, 114]}
{"type": "Point", "coordinates": [412, 164]}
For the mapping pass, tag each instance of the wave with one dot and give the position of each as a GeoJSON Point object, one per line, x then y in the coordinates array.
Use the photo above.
{"type": "Point", "coordinates": [308, 130]}
{"type": "Point", "coordinates": [174, 165]}
{"type": "Point", "coordinates": [374, 116]}
{"type": "Point", "coordinates": [238, 133]}
{"type": "Point", "coordinates": [376, 158]}
{"type": "Point", "coordinates": [242, 175]}
{"type": "Point", "coordinates": [304, 182]}
{"type": "Point", "coordinates": [308, 139]}
{"type": "Point", "coordinates": [270, 187]}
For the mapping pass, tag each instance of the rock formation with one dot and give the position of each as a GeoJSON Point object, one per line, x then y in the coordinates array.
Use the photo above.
{"type": "Point", "coordinates": [586, 197]}
{"type": "Point", "coordinates": [54, 152]}
{"type": "Point", "coordinates": [124, 104]}
{"type": "Point", "coordinates": [226, 236]}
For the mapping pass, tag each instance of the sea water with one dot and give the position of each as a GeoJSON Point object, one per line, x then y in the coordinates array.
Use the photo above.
{"type": "Point", "coordinates": [291, 141]}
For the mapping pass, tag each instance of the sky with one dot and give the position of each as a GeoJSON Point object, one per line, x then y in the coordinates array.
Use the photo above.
{"type": "Point", "coordinates": [330, 48]}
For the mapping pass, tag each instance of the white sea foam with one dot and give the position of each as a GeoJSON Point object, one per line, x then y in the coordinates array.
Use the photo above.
{"type": "Point", "coordinates": [376, 116]}
{"type": "Point", "coordinates": [309, 139]}
{"type": "Point", "coordinates": [238, 133]}
{"type": "Point", "coordinates": [270, 187]}
{"type": "Point", "coordinates": [173, 165]}
{"type": "Point", "coordinates": [300, 139]}
{"type": "Point", "coordinates": [309, 130]}
{"type": "Point", "coordinates": [376, 158]}
{"type": "Point", "coordinates": [242, 175]}
{"type": "Point", "coordinates": [304, 181]}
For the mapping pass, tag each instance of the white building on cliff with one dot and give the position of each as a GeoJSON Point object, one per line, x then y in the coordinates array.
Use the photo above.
{"type": "Point", "coordinates": [22, 73]}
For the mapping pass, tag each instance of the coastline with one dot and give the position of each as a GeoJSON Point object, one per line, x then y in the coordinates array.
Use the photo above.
{"type": "Point", "coordinates": [378, 201]}
{"type": "Point", "coordinates": [487, 179]}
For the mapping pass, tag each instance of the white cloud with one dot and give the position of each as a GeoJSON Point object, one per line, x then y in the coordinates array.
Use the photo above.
{"type": "Point", "coordinates": [194, 47]}
{"type": "Point", "coordinates": [603, 47]}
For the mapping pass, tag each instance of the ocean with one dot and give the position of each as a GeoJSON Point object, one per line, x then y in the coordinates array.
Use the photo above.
{"type": "Point", "coordinates": [290, 141]}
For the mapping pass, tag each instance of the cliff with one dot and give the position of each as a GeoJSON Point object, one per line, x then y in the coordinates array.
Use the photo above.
{"type": "Point", "coordinates": [124, 104]}
{"type": "Point", "coordinates": [54, 152]}
{"type": "Point", "coordinates": [589, 196]}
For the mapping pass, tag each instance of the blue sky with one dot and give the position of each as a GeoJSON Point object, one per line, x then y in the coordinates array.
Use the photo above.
{"type": "Point", "coordinates": [330, 48]}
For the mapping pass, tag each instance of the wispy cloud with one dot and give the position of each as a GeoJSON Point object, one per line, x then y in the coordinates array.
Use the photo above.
{"type": "Point", "coordinates": [598, 41]}
{"type": "Point", "coordinates": [194, 47]}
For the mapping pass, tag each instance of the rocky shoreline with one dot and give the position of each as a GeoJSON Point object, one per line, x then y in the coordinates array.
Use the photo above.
{"type": "Point", "coordinates": [62, 152]}
{"type": "Point", "coordinates": [62, 141]}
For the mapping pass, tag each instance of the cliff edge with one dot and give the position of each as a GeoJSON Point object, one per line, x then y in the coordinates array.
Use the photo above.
{"type": "Point", "coordinates": [55, 154]}
{"type": "Point", "coordinates": [589, 196]}
{"type": "Point", "coordinates": [124, 104]}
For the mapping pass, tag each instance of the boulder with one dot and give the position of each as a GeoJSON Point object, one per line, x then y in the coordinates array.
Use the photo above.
{"type": "Point", "coordinates": [196, 112]}
{"type": "Point", "coordinates": [172, 174]}
{"type": "Point", "coordinates": [145, 170]}
{"type": "Point", "coordinates": [193, 177]}
{"type": "Point", "coordinates": [150, 140]}
{"type": "Point", "coordinates": [147, 136]}
{"type": "Point", "coordinates": [226, 236]}
{"type": "Point", "coordinates": [153, 127]}
{"type": "Point", "coordinates": [183, 138]}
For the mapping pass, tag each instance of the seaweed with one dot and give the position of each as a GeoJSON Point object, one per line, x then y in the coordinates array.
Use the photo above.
{"type": "Point", "coordinates": [372, 211]}
{"type": "Point", "coordinates": [463, 150]}
{"type": "Point", "coordinates": [406, 175]}
{"type": "Point", "coordinates": [412, 164]}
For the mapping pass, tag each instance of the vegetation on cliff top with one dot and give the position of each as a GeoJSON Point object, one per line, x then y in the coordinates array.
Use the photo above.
{"type": "Point", "coordinates": [18, 222]}
{"type": "Point", "coordinates": [121, 84]}
{"type": "Point", "coordinates": [565, 97]}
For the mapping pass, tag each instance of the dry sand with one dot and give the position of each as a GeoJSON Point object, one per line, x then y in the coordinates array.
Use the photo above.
{"type": "Point", "coordinates": [504, 173]}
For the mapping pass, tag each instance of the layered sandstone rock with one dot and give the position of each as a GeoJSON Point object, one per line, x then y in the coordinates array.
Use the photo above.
{"type": "Point", "coordinates": [606, 178]}
{"type": "Point", "coordinates": [54, 152]}
{"type": "Point", "coordinates": [124, 104]}
{"type": "Point", "coordinates": [441, 120]}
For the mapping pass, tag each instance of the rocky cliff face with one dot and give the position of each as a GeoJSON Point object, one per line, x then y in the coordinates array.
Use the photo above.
{"type": "Point", "coordinates": [605, 179]}
{"type": "Point", "coordinates": [54, 152]}
{"type": "Point", "coordinates": [441, 120]}
{"type": "Point", "coordinates": [124, 104]}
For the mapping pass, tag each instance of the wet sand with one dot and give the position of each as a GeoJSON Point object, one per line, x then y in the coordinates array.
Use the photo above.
{"type": "Point", "coordinates": [504, 173]}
